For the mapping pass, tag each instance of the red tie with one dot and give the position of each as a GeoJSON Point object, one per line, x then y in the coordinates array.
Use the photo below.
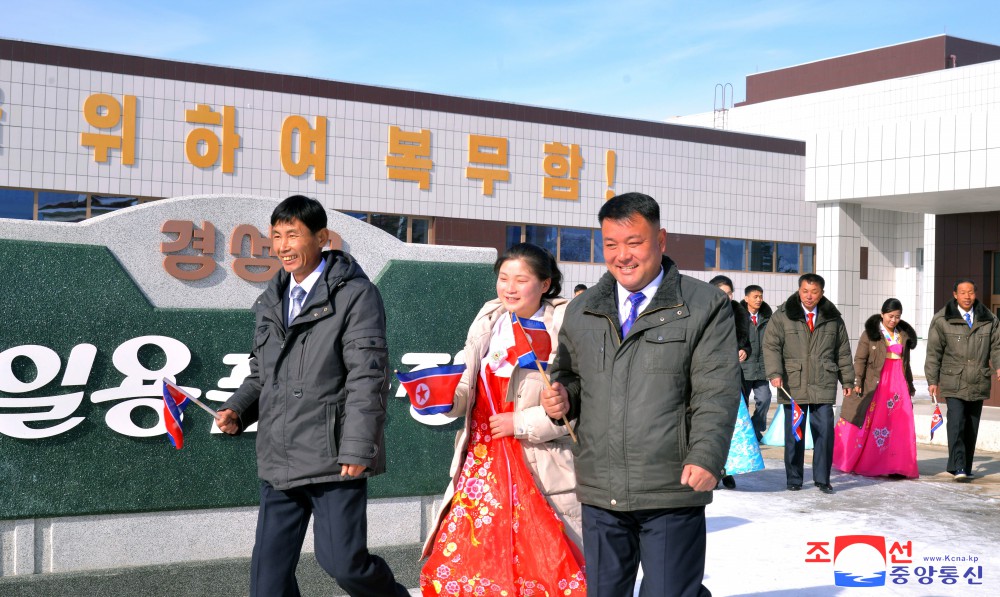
{"type": "Point", "coordinates": [809, 320]}
{"type": "Point", "coordinates": [754, 317]}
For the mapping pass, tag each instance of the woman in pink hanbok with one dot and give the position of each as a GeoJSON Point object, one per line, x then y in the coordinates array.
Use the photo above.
{"type": "Point", "coordinates": [875, 435]}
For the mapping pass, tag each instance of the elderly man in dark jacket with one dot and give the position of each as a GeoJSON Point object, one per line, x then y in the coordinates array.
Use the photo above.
{"type": "Point", "coordinates": [806, 351]}
{"type": "Point", "coordinates": [647, 365]}
{"type": "Point", "coordinates": [964, 338]}
{"type": "Point", "coordinates": [317, 388]}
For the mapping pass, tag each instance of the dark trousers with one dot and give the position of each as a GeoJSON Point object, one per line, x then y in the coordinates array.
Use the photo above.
{"type": "Point", "coordinates": [340, 534]}
{"type": "Point", "coordinates": [963, 428]}
{"type": "Point", "coordinates": [670, 544]}
{"type": "Point", "coordinates": [761, 390]}
{"type": "Point", "coordinates": [820, 420]}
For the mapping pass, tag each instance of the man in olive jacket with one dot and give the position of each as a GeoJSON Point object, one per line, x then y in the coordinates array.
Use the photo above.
{"type": "Point", "coordinates": [754, 376]}
{"type": "Point", "coordinates": [963, 339]}
{"type": "Point", "coordinates": [647, 365]}
{"type": "Point", "coordinates": [806, 351]}
{"type": "Point", "coordinates": [317, 388]}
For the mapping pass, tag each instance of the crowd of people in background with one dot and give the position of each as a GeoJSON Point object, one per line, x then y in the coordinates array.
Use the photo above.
{"type": "Point", "coordinates": [654, 371]}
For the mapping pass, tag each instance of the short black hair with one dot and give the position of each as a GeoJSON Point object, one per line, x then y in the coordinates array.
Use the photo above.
{"type": "Point", "coordinates": [892, 304]}
{"type": "Point", "coordinates": [752, 288]}
{"type": "Point", "coordinates": [964, 281]}
{"type": "Point", "coordinates": [722, 280]}
{"type": "Point", "coordinates": [541, 262]}
{"type": "Point", "coordinates": [299, 207]}
{"type": "Point", "coordinates": [812, 279]}
{"type": "Point", "coordinates": [622, 207]}
{"type": "Point", "coordinates": [579, 288]}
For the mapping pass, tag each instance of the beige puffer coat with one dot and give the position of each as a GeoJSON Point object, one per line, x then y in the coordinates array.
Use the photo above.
{"type": "Point", "coordinates": [547, 447]}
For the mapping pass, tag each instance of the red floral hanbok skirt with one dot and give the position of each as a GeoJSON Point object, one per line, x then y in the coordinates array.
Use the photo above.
{"type": "Point", "coordinates": [500, 537]}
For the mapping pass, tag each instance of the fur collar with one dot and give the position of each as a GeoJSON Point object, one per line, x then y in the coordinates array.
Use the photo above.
{"type": "Point", "coordinates": [764, 312]}
{"type": "Point", "coordinates": [825, 309]}
{"type": "Point", "coordinates": [979, 311]}
{"type": "Point", "coordinates": [904, 329]}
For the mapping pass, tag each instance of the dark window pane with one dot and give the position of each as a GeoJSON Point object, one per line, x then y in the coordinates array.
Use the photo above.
{"type": "Point", "coordinates": [543, 236]}
{"type": "Point", "coordinates": [17, 204]}
{"type": "Point", "coordinates": [358, 215]}
{"type": "Point", "coordinates": [574, 244]}
{"type": "Point", "coordinates": [761, 256]}
{"type": "Point", "coordinates": [421, 231]}
{"type": "Point", "coordinates": [100, 204]}
{"type": "Point", "coordinates": [513, 235]}
{"type": "Point", "coordinates": [710, 245]}
{"type": "Point", "coordinates": [62, 207]}
{"type": "Point", "coordinates": [732, 254]}
{"type": "Point", "coordinates": [394, 225]}
{"type": "Point", "coordinates": [598, 247]}
{"type": "Point", "coordinates": [788, 258]}
{"type": "Point", "coordinates": [808, 259]}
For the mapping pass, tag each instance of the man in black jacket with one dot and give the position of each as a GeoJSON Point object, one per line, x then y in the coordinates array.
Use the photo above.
{"type": "Point", "coordinates": [754, 375]}
{"type": "Point", "coordinates": [745, 349]}
{"type": "Point", "coordinates": [317, 387]}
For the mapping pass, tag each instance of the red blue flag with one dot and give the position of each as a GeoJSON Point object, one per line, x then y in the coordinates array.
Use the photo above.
{"type": "Point", "coordinates": [936, 419]}
{"type": "Point", "coordinates": [432, 390]}
{"type": "Point", "coordinates": [797, 419]}
{"type": "Point", "coordinates": [175, 400]}
{"type": "Point", "coordinates": [531, 339]}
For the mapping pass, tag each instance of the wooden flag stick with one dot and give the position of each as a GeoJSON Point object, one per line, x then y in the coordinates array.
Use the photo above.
{"type": "Point", "coordinates": [548, 384]}
{"type": "Point", "coordinates": [782, 388]}
{"type": "Point", "coordinates": [205, 408]}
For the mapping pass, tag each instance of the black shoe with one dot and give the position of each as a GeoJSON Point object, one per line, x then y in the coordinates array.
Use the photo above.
{"type": "Point", "coordinates": [962, 477]}
{"type": "Point", "coordinates": [729, 482]}
{"type": "Point", "coordinates": [825, 488]}
{"type": "Point", "coordinates": [794, 486]}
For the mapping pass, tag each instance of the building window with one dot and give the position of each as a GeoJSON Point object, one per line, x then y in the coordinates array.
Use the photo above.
{"type": "Point", "coordinates": [598, 247]}
{"type": "Point", "coordinates": [863, 266]}
{"type": "Point", "coordinates": [394, 225]}
{"type": "Point", "coordinates": [574, 244]}
{"type": "Point", "coordinates": [711, 253]}
{"type": "Point", "coordinates": [762, 256]}
{"type": "Point", "coordinates": [102, 204]}
{"type": "Point", "coordinates": [513, 235]}
{"type": "Point", "coordinates": [420, 231]}
{"type": "Point", "coordinates": [543, 236]}
{"type": "Point", "coordinates": [17, 204]}
{"type": "Point", "coordinates": [732, 254]}
{"type": "Point", "coordinates": [62, 207]}
{"type": "Point", "coordinates": [788, 258]}
{"type": "Point", "coordinates": [808, 264]}
{"type": "Point", "coordinates": [406, 228]}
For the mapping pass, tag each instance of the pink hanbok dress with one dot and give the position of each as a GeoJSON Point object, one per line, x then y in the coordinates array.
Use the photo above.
{"type": "Point", "coordinates": [886, 443]}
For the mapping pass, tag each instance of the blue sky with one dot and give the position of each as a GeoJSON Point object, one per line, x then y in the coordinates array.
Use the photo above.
{"type": "Point", "coordinates": [635, 58]}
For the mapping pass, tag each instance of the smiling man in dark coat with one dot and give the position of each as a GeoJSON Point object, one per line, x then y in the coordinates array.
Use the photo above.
{"type": "Point", "coordinates": [317, 388]}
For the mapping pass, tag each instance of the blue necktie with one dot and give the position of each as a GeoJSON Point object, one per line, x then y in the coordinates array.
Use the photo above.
{"type": "Point", "coordinates": [968, 319]}
{"type": "Point", "coordinates": [298, 297]}
{"type": "Point", "coordinates": [636, 299]}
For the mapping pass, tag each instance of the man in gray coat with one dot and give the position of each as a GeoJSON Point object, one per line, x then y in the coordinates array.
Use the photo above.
{"type": "Point", "coordinates": [963, 339]}
{"type": "Point", "coordinates": [317, 388]}
{"type": "Point", "coordinates": [647, 365]}
{"type": "Point", "coordinates": [806, 351]}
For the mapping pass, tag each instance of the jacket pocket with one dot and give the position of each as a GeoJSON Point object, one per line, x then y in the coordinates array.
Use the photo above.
{"type": "Point", "coordinates": [334, 422]}
{"type": "Point", "coordinates": [260, 338]}
{"type": "Point", "coordinates": [950, 379]}
{"type": "Point", "coordinates": [595, 351]}
{"type": "Point", "coordinates": [828, 375]}
{"type": "Point", "coordinates": [794, 373]}
{"type": "Point", "coordinates": [663, 350]}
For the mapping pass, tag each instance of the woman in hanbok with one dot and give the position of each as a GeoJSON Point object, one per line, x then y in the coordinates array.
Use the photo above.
{"type": "Point", "coordinates": [875, 434]}
{"type": "Point", "coordinates": [510, 523]}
